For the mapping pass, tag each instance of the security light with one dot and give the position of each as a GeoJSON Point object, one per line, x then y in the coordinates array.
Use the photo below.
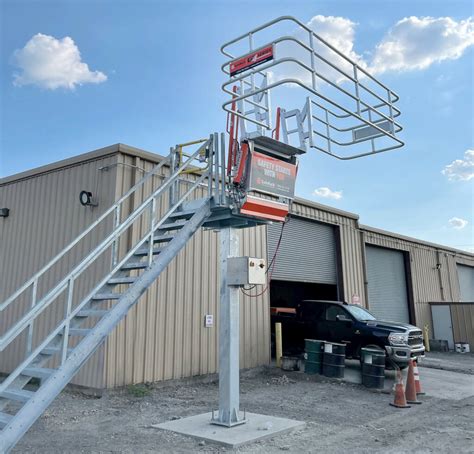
{"type": "Point", "coordinates": [4, 212]}
{"type": "Point", "coordinates": [85, 197]}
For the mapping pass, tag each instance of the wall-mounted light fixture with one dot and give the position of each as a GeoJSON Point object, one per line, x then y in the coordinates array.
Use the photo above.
{"type": "Point", "coordinates": [86, 199]}
{"type": "Point", "coordinates": [438, 266]}
{"type": "Point", "coordinates": [4, 212]}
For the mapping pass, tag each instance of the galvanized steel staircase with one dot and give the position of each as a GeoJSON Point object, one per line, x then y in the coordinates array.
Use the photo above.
{"type": "Point", "coordinates": [53, 360]}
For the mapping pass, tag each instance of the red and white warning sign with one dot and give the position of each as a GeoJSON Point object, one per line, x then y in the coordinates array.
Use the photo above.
{"type": "Point", "coordinates": [251, 60]}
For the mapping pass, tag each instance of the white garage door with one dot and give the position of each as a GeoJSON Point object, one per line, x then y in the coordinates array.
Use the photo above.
{"type": "Point", "coordinates": [388, 296]}
{"type": "Point", "coordinates": [466, 282]}
{"type": "Point", "coordinates": [307, 252]}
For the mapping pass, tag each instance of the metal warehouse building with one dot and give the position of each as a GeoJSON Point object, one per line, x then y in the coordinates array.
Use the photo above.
{"type": "Point", "coordinates": [324, 254]}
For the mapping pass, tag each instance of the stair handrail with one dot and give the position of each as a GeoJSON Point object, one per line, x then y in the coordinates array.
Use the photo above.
{"type": "Point", "coordinates": [47, 299]}
{"type": "Point", "coordinates": [61, 325]}
{"type": "Point", "coordinates": [61, 254]}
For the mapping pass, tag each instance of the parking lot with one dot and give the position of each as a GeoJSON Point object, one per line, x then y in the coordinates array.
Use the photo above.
{"type": "Point", "coordinates": [339, 415]}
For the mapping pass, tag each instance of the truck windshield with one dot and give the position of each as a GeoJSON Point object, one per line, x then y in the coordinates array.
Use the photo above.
{"type": "Point", "coordinates": [359, 313]}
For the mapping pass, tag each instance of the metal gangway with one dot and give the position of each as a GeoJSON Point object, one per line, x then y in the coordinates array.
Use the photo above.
{"type": "Point", "coordinates": [346, 113]}
{"type": "Point", "coordinates": [187, 191]}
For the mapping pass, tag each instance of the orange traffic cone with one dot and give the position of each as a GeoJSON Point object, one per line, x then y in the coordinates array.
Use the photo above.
{"type": "Point", "coordinates": [400, 400]}
{"type": "Point", "coordinates": [410, 391]}
{"type": "Point", "coordinates": [417, 379]}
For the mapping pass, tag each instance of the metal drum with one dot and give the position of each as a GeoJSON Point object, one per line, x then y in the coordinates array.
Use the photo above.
{"type": "Point", "coordinates": [373, 368]}
{"type": "Point", "coordinates": [334, 360]}
{"type": "Point", "coordinates": [314, 356]}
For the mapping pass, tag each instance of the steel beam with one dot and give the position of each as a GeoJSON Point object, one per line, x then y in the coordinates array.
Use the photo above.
{"type": "Point", "coordinates": [228, 414]}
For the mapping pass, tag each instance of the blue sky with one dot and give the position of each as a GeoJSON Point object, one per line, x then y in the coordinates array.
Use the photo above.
{"type": "Point", "coordinates": [153, 79]}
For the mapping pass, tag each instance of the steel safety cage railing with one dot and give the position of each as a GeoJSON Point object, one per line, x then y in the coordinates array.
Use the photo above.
{"type": "Point", "coordinates": [370, 121]}
{"type": "Point", "coordinates": [214, 189]}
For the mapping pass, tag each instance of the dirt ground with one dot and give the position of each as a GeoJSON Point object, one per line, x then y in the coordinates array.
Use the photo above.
{"type": "Point", "coordinates": [340, 418]}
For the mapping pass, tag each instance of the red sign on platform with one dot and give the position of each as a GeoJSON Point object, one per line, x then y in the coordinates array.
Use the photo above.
{"type": "Point", "coordinates": [250, 60]}
{"type": "Point", "coordinates": [272, 176]}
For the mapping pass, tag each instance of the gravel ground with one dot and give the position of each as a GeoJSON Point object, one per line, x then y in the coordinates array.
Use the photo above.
{"type": "Point", "coordinates": [340, 418]}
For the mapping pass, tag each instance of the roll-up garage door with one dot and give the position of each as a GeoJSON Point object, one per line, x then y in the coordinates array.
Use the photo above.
{"type": "Point", "coordinates": [307, 252]}
{"type": "Point", "coordinates": [466, 282]}
{"type": "Point", "coordinates": [387, 286]}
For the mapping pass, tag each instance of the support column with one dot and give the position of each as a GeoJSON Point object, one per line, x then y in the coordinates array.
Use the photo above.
{"type": "Point", "coordinates": [228, 336]}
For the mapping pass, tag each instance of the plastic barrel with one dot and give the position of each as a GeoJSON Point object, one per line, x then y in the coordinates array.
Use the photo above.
{"type": "Point", "coordinates": [373, 368]}
{"type": "Point", "coordinates": [334, 360]}
{"type": "Point", "coordinates": [314, 356]}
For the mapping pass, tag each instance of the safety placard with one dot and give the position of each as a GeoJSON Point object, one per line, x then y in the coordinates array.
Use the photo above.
{"type": "Point", "coordinates": [251, 60]}
{"type": "Point", "coordinates": [271, 176]}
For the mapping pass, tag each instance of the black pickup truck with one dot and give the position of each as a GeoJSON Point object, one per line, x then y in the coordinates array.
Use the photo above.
{"type": "Point", "coordinates": [352, 325]}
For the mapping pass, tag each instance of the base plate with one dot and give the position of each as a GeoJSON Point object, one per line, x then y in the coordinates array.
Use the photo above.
{"type": "Point", "coordinates": [256, 428]}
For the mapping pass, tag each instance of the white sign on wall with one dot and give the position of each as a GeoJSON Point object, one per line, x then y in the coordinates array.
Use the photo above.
{"type": "Point", "coordinates": [209, 321]}
{"type": "Point", "coordinates": [356, 299]}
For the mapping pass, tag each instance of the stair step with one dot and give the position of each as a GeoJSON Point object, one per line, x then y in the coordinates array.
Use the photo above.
{"type": "Point", "coordinates": [20, 395]}
{"type": "Point", "coordinates": [37, 372]}
{"type": "Point", "coordinates": [79, 331]}
{"type": "Point", "coordinates": [144, 251]}
{"type": "Point", "coordinates": [54, 351]}
{"type": "Point", "coordinates": [122, 280]}
{"type": "Point", "coordinates": [173, 225]}
{"type": "Point", "coordinates": [4, 419]}
{"type": "Point", "coordinates": [182, 214]}
{"type": "Point", "coordinates": [106, 296]}
{"type": "Point", "coordinates": [134, 266]}
{"type": "Point", "coordinates": [92, 313]}
{"type": "Point", "coordinates": [162, 238]}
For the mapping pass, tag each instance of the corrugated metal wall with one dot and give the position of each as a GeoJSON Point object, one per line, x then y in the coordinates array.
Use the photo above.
{"type": "Point", "coordinates": [45, 216]}
{"type": "Point", "coordinates": [163, 337]}
{"type": "Point", "coordinates": [430, 283]}
{"type": "Point", "coordinates": [462, 316]}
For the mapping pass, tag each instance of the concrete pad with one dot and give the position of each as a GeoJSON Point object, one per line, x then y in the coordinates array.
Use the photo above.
{"type": "Point", "coordinates": [257, 427]}
{"type": "Point", "coordinates": [445, 384]}
{"type": "Point", "coordinates": [442, 384]}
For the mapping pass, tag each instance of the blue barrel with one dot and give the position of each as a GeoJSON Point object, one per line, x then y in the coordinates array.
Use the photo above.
{"type": "Point", "coordinates": [314, 350]}
{"type": "Point", "coordinates": [334, 360]}
{"type": "Point", "coordinates": [373, 368]}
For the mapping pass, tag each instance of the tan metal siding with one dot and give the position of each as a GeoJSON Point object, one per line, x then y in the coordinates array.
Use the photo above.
{"type": "Point", "coordinates": [163, 337]}
{"type": "Point", "coordinates": [429, 282]}
{"type": "Point", "coordinates": [45, 216]}
{"type": "Point", "coordinates": [463, 323]}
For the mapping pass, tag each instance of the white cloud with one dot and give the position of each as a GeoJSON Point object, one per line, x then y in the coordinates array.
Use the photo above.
{"type": "Point", "coordinates": [415, 43]}
{"type": "Point", "coordinates": [461, 169]}
{"type": "Point", "coordinates": [340, 33]}
{"type": "Point", "coordinates": [327, 193]}
{"type": "Point", "coordinates": [457, 223]}
{"type": "Point", "coordinates": [337, 31]}
{"type": "Point", "coordinates": [53, 63]}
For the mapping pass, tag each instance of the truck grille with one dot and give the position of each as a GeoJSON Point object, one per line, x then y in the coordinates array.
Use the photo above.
{"type": "Point", "coordinates": [415, 338]}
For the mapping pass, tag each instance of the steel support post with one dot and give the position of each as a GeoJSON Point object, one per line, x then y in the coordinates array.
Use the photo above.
{"type": "Point", "coordinates": [228, 336]}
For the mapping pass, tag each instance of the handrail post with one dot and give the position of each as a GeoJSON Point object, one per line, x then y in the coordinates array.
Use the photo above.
{"type": "Point", "coordinates": [356, 77]}
{"type": "Point", "coordinates": [152, 230]}
{"type": "Point", "coordinates": [70, 293]}
{"type": "Point", "coordinates": [172, 195]}
{"type": "Point", "coordinates": [116, 242]}
{"type": "Point", "coordinates": [215, 147]}
{"type": "Point", "coordinates": [313, 67]}
{"type": "Point", "coordinates": [223, 170]}
{"type": "Point", "coordinates": [29, 341]}
{"type": "Point", "coordinates": [210, 170]}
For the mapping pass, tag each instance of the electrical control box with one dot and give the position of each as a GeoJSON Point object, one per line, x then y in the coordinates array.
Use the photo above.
{"type": "Point", "coordinates": [246, 271]}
